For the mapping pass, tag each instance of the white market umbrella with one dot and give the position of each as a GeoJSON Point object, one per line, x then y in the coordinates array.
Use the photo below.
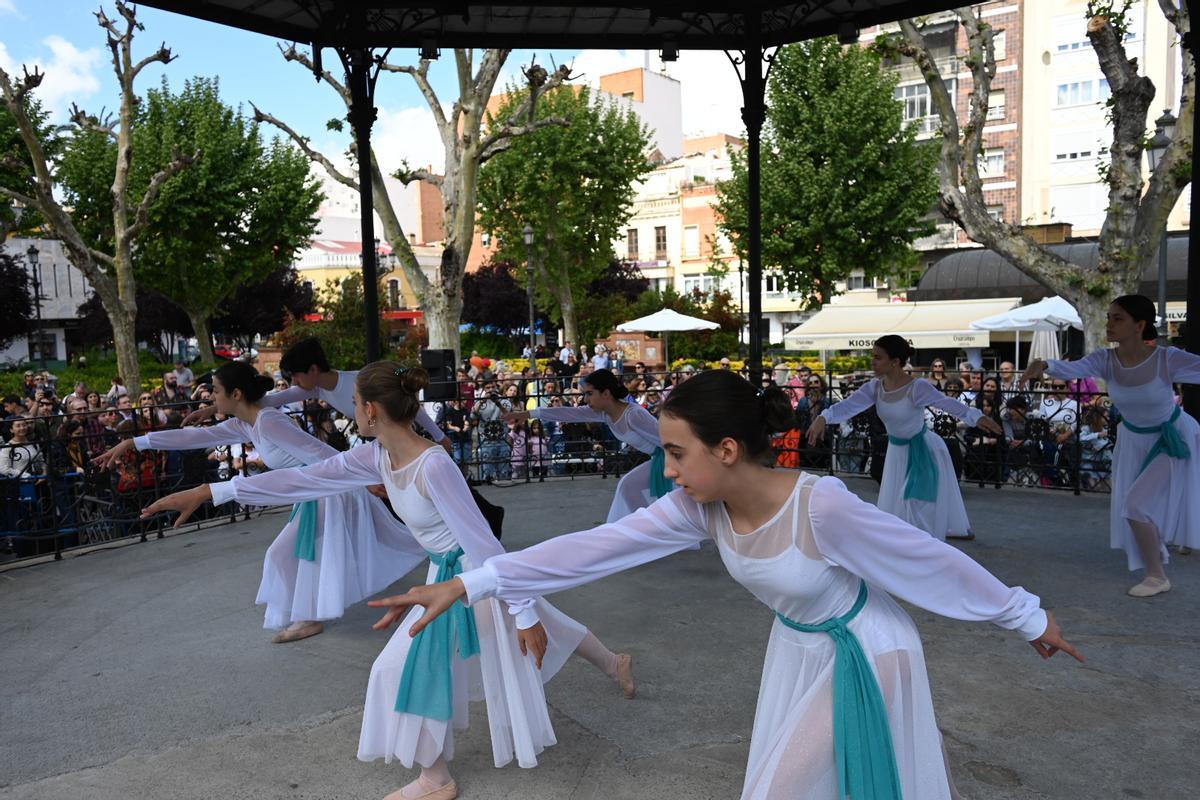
{"type": "Point", "coordinates": [666, 321]}
{"type": "Point", "coordinates": [1044, 346]}
{"type": "Point", "coordinates": [1048, 317]}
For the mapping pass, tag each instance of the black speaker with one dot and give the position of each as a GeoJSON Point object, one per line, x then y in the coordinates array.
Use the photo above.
{"type": "Point", "coordinates": [440, 366]}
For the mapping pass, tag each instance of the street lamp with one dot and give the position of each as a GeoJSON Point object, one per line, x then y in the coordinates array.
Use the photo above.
{"type": "Point", "coordinates": [1156, 151]}
{"type": "Point", "coordinates": [529, 282]}
{"type": "Point", "coordinates": [32, 255]}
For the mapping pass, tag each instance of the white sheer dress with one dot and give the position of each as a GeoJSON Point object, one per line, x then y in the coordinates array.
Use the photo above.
{"type": "Point", "coordinates": [361, 548]}
{"type": "Point", "coordinates": [432, 497]}
{"type": "Point", "coordinates": [637, 428]}
{"type": "Point", "coordinates": [902, 412]}
{"type": "Point", "coordinates": [806, 563]}
{"type": "Point", "coordinates": [1167, 493]}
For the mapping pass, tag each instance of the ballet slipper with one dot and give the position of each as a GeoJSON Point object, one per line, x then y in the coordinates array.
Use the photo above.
{"type": "Point", "coordinates": [1150, 587]}
{"type": "Point", "coordinates": [295, 634]}
{"type": "Point", "coordinates": [447, 792]}
{"type": "Point", "coordinates": [625, 675]}
{"type": "Point", "coordinates": [1184, 550]}
{"type": "Point", "coordinates": [969, 536]}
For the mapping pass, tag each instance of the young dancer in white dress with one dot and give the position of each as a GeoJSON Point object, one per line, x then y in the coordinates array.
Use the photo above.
{"type": "Point", "coordinates": [1156, 461]}
{"type": "Point", "coordinates": [844, 707]}
{"type": "Point", "coordinates": [333, 552]}
{"type": "Point", "coordinates": [919, 483]}
{"type": "Point", "coordinates": [418, 691]}
{"type": "Point", "coordinates": [609, 403]}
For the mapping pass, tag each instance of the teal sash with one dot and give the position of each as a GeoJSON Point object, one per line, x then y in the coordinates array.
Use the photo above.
{"type": "Point", "coordinates": [426, 686]}
{"type": "Point", "coordinates": [921, 475]}
{"type": "Point", "coordinates": [660, 484]}
{"type": "Point", "coordinates": [862, 740]}
{"type": "Point", "coordinates": [306, 539]}
{"type": "Point", "coordinates": [1169, 440]}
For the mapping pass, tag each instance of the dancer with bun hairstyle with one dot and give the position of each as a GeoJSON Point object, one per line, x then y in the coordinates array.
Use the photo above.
{"type": "Point", "coordinates": [844, 706]}
{"type": "Point", "coordinates": [419, 687]}
{"type": "Point", "coordinates": [1156, 461]}
{"type": "Point", "coordinates": [332, 552]}
{"type": "Point", "coordinates": [609, 403]}
{"type": "Point", "coordinates": [919, 484]}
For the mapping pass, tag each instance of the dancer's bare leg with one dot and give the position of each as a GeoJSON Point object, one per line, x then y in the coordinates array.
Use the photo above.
{"type": "Point", "coordinates": [434, 783]}
{"type": "Point", "coordinates": [618, 666]}
{"type": "Point", "coordinates": [1150, 548]}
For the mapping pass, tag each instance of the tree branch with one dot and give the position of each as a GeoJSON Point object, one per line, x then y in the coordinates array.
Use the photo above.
{"type": "Point", "coordinates": [522, 120]}
{"type": "Point", "coordinates": [107, 127]}
{"type": "Point", "coordinates": [142, 215]}
{"type": "Point", "coordinates": [24, 200]}
{"type": "Point", "coordinates": [420, 74]}
{"type": "Point", "coordinates": [406, 175]}
{"type": "Point", "coordinates": [502, 138]}
{"type": "Point", "coordinates": [300, 57]}
{"type": "Point", "coordinates": [162, 55]}
{"type": "Point", "coordinates": [302, 142]}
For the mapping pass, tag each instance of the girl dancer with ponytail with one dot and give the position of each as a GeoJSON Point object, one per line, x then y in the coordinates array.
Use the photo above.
{"type": "Point", "coordinates": [608, 402]}
{"type": "Point", "coordinates": [844, 707]}
{"type": "Point", "coordinates": [1156, 471]}
{"type": "Point", "coordinates": [332, 552]}
{"type": "Point", "coordinates": [418, 692]}
{"type": "Point", "coordinates": [919, 484]}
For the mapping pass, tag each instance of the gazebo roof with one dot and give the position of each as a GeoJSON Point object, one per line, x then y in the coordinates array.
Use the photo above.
{"type": "Point", "coordinates": [701, 25]}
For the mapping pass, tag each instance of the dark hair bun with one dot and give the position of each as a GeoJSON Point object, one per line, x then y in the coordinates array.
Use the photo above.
{"type": "Point", "coordinates": [777, 414]}
{"type": "Point", "coordinates": [896, 347]}
{"type": "Point", "coordinates": [264, 382]}
{"type": "Point", "coordinates": [415, 380]}
{"type": "Point", "coordinates": [1141, 308]}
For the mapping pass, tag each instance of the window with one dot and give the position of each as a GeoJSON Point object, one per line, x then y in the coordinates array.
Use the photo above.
{"type": "Point", "coordinates": [1079, 93]}
{"type": "Point", "coordinates": [660, 243]}
{"type": "Point", "coordinates": [991, 163]}
{"type": "Point", "coordinates": [999, 43]}
{"type": "Point", "coordinates": [996, 108]}
{"type": "Point", "coordinates": [700, 283]}
{"type": "Point", "coordinates": [628, 95]}
{"type": "Point", "coordinates": [631, 244]}
{"type": "Point", "coordinates": [996, 213]}
{"type": "Point", "coordinates": [393, 293]}
{"type": "Point", "coordinates": [691, 241]}
{"type": "Point", "coordinates": [856, 281]}
{"type": "Point", "coordinates": [773, 284]}
{"type": "Point", "coordinates": [308, 285]}
{"type": "Point", "coordinates": [46, 348]}
{"type": "Point", "coordinates": [915, 99]}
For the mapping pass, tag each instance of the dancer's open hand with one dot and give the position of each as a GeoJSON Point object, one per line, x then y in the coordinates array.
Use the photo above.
{"type": "Point", "coordinates": [434, 597]}
{"type": "Point", "coordinates": [1033, 372]}
{"type": "Point", "coordinates": [185, 502]}
{"type": "Point", "coordinates": [816, 431]}
{"type": "Point", "coordinates": [112, 456]}
{"type": "Point", "coordinates": [200, 415]}
{"type": "Point", "coordinates": [533, 640]}
{"type": "Point", "coordinates": [989, 424]}
{"type": "Point", "coordinates": [1051, 641]}
{"type": "Point", "coordinates": [379, 490]}
{"type": "Point", "coordinates": [515, 416]}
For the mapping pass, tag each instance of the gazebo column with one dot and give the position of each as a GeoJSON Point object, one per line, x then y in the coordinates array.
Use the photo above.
{"type": "Point", "coordinates": [1191, 393]}
{"type": "Point", "coordinates": [754, 110]}
{"type": "Point", "coordinates": [360, 79]}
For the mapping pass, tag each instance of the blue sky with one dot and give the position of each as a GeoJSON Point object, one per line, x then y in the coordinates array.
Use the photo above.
{"type": "Point", "coordinates": [64, 39]}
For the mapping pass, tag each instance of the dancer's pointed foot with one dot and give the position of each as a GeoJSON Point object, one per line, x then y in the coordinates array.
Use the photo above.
{"type": "Point", "coordinates": [420, 789]}
{"type": "Point", "coordinates": [1184, 550]}
{"type": "Point", "coordinates": [297, 631]}
{"type": "Point", "coordinates": [969, 536]}
{"type": "Point", "coordinates": [625, 675]}
{"type": "Point", "coordinates": [1150, 587]}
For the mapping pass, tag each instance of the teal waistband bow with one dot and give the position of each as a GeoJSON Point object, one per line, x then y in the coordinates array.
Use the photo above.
{"type": "Point", "coordinates": [862, 740]}
{"type": "Point", "coordinates": [427, 684]}
{"type": "Point", "coordinates": [1169, 440]}
{"type": "Point", "coordinates": [306, 538]}
{"type": "Point", "coordinates": [660, 484]}
{"type": "Point", "coordinates": [921, 475]}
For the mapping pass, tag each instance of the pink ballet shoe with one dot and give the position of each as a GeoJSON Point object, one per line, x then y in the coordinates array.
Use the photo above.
{"type": "Point", "coordinates": [447, 792]}
{"type": "Point", "coordinates": [296, 634]}
{"type": "Point", "coordinates": [1150, 587]}
{"type": "Point", "coordinates": [625, 675]}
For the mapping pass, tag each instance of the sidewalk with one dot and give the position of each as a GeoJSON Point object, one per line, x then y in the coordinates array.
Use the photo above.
{"type": "Point", "coordinates": [143, 672]}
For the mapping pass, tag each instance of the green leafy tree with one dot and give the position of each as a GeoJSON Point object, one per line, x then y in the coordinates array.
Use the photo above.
{"type": "Point", "coordinates": [845, 185]}
{"type": "Point", "coordinates": [16, 301]}
{"type": "Point", "coordinates": [573, 184]}
{"type": "Point", "coordinates": [16, 165]}
{"type": "Point", "coordinates": [716, 306]}
{"type": "Point", "coordinates": [343, 320]}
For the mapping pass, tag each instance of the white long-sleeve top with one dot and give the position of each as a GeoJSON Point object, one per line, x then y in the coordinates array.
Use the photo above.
{"type": "Point", "coordinates": [444, 517]}
{"type": "Point", "coordinates": [279, 441]}
{"type": "Point", "coordinates": [1142, 393]}
{"type": "Point", "coordinates": [922, 395]}
{"type": "Point", "coordinates": [636, 426]}
{"type": "Point", "coordinates": [849, 534]}
{"type": "Point", "coordinates": [341, 397]}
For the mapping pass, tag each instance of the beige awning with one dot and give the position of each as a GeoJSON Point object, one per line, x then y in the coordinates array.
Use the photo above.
{"type": "Point", "coordinates": [941, 324]}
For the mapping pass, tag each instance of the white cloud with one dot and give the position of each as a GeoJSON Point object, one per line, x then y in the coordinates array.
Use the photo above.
{"type": "Point", "coordinates": [71, 74]}
{"type": "Point", "coordinates": [408, 134]}
{"type": "Point", "coordinates": [8, 7]}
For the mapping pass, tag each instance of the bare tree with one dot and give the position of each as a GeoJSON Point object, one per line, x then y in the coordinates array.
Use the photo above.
{"type": "Point", "coordinates": [109, 273]}
{"type": "Point", "coordinates": [1137, 210]}
{"type": "Point", "coordinates": [466, 148]}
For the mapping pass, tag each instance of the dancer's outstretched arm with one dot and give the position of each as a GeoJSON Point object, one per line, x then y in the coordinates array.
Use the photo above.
{"type": "Point", "coordinates": [559, 414]}
{"type": "Point", "coordinates": [926, 394]}
{"type": "Point", "coordinates": [1094, 365]}
{"type": "Point", "coordinates": [862, 398]}
{"type": "Point", "coordinates": [1182, 366]}
{"type": "Point", "coordinates": [231, 431]}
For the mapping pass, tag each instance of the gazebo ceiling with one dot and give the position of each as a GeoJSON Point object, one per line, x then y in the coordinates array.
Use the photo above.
{"type": "Point", "coordinates": [703, 25]}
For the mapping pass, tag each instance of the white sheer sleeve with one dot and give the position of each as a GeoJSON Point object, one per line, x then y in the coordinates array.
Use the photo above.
{"type": "Point", "coordinates": [569, 414]}
{"type": "Point", "coordinates": [643, 424]}
{"type": "Point", "coordinates": [357, 467]}
{"type": "Point", "coordinates": [1094, 365]}
{"type": "Point", "coordinates": [429, 426]}
{"type": "Point", "coordinates": [910, 564]}
{"type": "Point", "coordinates": [231, 431]}
{"type": "Point", "coordinates": [279, 429]}
{"type": "Point", "coordinates": [1182, 366]}
{"type": "Point", "coordinates": [926, 394]}
{"type": "Point", "coordinates": [858, 402]}
{"type": "Point", "coordinates": [292, 394]}
{"type": "Point", "coordinates": [674, 522]}
{"type": "Point", "coordinates": [441, 481]}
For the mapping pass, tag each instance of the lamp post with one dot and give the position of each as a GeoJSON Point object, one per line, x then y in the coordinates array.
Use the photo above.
{"type": "Point", "coordinates": [32, 255]}
{"type": "Point", "coordinates": [1156, 150]}
{"type": "Point", "coordinates": [529, 283]}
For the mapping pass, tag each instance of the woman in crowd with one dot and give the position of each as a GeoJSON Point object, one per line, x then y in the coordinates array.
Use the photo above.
{"type": "Point", "coordinates": [844, 706]}
{"type": "Point", "coordinates": [418, 691]}
{"type": "Point", "coordinates": [919, 483]}
{"type": "Point", "coordinates": [1156, 461]}
{"type": "Point", "coordinates": [93, 401]}
{"type": "Point", "coordinates": [332, 552]}
{"type": "Point", "coordinates": [608, 402]}
{"type": "Point", "coordinates": [937, 374]}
